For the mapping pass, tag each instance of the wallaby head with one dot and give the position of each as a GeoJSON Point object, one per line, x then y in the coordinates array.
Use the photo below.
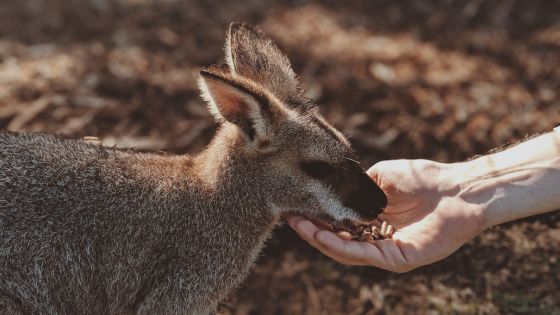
{"type": "Point", "coordinates": [306, 165]}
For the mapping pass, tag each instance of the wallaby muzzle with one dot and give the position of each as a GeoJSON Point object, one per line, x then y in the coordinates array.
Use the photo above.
{"type": "Point", "coordinates": [367, 199]}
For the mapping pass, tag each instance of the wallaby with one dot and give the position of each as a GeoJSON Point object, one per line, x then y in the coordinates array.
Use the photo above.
{"type": "Point", "coordinates": [86, 229]}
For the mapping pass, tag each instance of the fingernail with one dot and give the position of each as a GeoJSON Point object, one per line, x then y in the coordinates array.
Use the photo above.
{"type": "Point", "coordinates": [344, 235]}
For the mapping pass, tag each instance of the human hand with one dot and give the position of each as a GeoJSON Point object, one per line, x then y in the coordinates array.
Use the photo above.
{"type": "Point", "coordinates": [431, 219]}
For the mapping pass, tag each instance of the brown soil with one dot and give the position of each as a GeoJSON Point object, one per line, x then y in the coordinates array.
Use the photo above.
{"type": "Point", "coordinates": [442, 80]}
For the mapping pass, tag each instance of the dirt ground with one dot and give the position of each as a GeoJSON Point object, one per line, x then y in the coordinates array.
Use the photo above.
{"type": "Point", "coordinates": [442, 80]}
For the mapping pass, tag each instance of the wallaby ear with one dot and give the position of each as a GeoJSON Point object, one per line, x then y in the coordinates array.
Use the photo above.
{"type": "Point", "coordinates": [230, 99]}
{"type": "Point", "coordinates": [250, 54]}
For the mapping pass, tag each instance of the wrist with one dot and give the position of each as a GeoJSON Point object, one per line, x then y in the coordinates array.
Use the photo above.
{"type": "Point", "coordinates": [464, 183]}
{"type": "Point", "coordinates": [480, 185]}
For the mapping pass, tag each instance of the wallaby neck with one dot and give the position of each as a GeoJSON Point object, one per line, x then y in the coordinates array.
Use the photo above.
{"type": "Point", "coordinates": [232, 178]}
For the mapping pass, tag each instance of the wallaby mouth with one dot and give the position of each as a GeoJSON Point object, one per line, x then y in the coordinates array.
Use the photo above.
{"type": "Point", "coordinates": [366, 211]}
{"type": "Point", "coordinates": [327, 222]}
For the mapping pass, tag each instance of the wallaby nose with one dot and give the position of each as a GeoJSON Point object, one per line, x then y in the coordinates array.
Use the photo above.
{"type": "Point", "coordinates": [368, 200]}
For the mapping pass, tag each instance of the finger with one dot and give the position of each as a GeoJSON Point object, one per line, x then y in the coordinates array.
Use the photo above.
{"type": "Point", "coordinates": [382, 254]}
{"type": "Point", "coordinates": [310, 233]}
{"type": "Point", "coordinates": [339, 259]}
{"type": "Point", "coordinates": [373, 173]}
{"type": "Point", "coordinates": [293, 219]}
{"type": "Point", "coordinates": [349, 249]}
{"type": "Point", "coordinates": [307, 230]}
{"type": "Point", "coordinates": [394, 254]}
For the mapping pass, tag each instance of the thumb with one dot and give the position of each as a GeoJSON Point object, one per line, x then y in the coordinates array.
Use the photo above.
{"type": "Point", "coordinates": [374, 172]}
{"type": "Point", "coordinates": [388, 166]}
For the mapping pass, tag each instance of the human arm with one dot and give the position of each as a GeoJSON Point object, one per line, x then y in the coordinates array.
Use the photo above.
{"type": "Point", "coordinates": [438, 207]}
{"type": "Point", "coordinates": [515, 183]}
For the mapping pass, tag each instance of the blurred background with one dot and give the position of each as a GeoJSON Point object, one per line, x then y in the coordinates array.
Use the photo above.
{"type": "Point", "coordinates": [442, 80]}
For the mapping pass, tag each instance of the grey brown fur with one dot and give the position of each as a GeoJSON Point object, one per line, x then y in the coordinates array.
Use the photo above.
{"type": "Point", "coordinates": [86, 229]}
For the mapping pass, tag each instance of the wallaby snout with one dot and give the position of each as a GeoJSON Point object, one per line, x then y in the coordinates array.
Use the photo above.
{"type": "Point", "coordinates": [366, 198]}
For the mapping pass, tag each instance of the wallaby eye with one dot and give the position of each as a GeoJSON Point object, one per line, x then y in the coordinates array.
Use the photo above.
{"type": "Point", "coordinates": [317, 169]}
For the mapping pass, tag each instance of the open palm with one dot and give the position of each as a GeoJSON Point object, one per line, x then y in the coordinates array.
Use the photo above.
{"type": "Point", "coordinates": [431, 219]}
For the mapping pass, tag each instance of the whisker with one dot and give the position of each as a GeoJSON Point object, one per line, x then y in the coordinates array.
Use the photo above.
{"type": "Point", "coordinates": [351, 160]}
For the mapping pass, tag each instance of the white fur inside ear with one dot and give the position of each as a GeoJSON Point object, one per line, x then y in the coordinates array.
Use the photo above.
{"type": "Point", "coordinates": [256, 118]}
{"type": "Point", "coordinates": [229, 56]}
{"type": "Point", "coordinates": [207, 96]}
{"type": "Point", "coordinates": [214, 93]}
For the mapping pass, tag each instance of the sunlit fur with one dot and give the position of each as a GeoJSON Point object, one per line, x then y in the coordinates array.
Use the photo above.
{"type": "Point", "coordinates": [86, 229]}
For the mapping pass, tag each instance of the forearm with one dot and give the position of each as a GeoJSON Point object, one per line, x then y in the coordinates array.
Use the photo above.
{"type": "Point", "coordinates": [521, 181]}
